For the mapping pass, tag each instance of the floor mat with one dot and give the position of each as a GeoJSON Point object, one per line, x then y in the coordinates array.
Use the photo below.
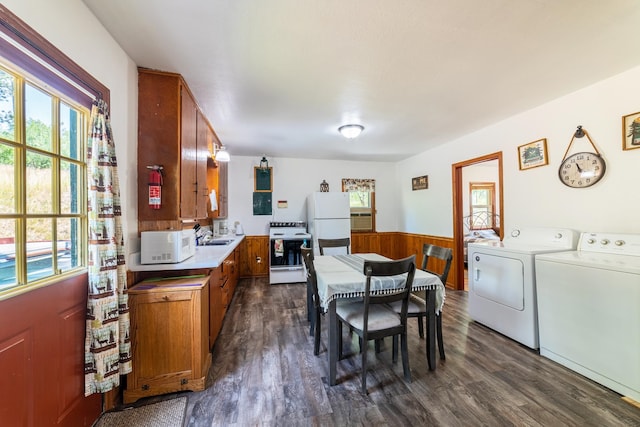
{"type": "Point", "coordinates": [168, 413]}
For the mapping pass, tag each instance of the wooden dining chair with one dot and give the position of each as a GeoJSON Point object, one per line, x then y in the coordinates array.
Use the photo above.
{"type": "Point", "coordinates": [373, 319]}
{"type": "Point", "coordinates": [334, 243]}
{"type": "Point", "coordinates": [417, 306]}
{"type": "Point", "coordinates": [313, 300]}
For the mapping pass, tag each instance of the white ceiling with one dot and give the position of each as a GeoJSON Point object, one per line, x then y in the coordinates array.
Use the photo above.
{"type": "Point", "coordinates": [279, 77]}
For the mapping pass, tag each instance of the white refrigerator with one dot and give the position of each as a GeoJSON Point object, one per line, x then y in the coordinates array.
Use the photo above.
{"type": "Point", "coordinates": [328, 217]}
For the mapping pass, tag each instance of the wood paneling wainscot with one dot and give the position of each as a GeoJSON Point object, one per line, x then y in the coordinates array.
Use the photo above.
{"type": "Point", "coordinates": [254, 256]}
{"type": "Point", "coordinates": [397, 245]}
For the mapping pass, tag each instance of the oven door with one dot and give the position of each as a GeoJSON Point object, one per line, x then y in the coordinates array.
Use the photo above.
{"type": "Point", "coordinates": [285, 254]}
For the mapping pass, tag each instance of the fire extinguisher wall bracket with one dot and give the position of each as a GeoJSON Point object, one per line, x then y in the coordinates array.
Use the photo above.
{"type": "Point", "coordinates": [155, 186]}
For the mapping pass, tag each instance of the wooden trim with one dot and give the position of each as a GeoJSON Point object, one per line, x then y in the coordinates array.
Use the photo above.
{"type": "Point", "coordinates": [457, 191]}
{"type": "Point", "coordinates": [30, 40]}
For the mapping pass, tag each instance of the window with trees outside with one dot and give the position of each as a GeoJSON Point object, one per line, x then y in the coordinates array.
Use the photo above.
{"type": "Point", "coordinates": [362, 203]}
{"type": "Point", "coordinates": [42, 182]}
{"type": "Point", "coordinates": [482, 196]}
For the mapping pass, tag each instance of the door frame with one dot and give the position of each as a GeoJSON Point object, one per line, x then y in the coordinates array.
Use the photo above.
{"type": "Point", "coordinates": [458, 193]}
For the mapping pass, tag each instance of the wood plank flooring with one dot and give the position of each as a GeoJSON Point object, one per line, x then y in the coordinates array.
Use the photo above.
{"type": "Point", "coordinates": [264, 373]}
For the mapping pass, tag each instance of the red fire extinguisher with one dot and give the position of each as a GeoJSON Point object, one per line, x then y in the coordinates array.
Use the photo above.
{"type": "Point", "coordinates": [155, 186]}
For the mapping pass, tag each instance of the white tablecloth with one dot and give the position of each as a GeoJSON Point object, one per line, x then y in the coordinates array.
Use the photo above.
{"type": "Point", "coordinates": [341, 276]}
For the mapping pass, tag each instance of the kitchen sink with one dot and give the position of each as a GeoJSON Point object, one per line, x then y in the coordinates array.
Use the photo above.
{"type": "Point", "coordinates": [218, 242]}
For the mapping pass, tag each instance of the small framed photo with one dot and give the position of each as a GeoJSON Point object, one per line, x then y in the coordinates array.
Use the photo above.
{"type": "Point", "coordinates": [631, 131]}
{"type": "Point", "coordinates": [420, 183]}
{"type": "Point", "coordinates": [533, 154]}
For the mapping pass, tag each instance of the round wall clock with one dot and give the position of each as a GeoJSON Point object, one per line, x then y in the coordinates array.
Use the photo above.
{"type": "Point", "coordinates": [581, 170]}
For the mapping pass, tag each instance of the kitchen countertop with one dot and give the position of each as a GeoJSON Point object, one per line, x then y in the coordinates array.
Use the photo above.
{"type": "Point", "coordinates": [205, 257]}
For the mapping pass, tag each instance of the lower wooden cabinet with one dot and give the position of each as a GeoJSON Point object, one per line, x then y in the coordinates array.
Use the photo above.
{"type": "Point", "coordinates": [169, 336]}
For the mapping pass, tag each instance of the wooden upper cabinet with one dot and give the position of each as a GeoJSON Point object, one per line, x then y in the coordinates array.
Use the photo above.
{"type": "Point", "coordinates": [204, 147]}
{"type": "Point", "coordinates": [173, 133]}
{"type": "Point", "coordinates": [188, 156]}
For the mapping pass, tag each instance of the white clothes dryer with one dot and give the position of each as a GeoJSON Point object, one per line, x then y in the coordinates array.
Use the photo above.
{"type": "Point", "coordinates": [589, 309]}
{"type": "Point", "coordinates": [502, 285]}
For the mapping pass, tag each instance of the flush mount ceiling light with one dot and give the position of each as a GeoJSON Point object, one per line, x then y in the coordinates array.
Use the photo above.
{"type": "Point", "coordinates": [222, 155]}
{"type": "Point", "coordinates": [350, 131]}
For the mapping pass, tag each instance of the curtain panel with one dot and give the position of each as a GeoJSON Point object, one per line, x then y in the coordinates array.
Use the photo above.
{"type": "Point", "coordinates": [107, 342]}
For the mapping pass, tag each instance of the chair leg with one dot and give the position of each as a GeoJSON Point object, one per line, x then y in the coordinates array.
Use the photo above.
{"type": "Point", "coordinates": [405, 357]}
{"type": "Point", "coordinates": [364, 371]}
{"type": "Point", "coordinates": [316, 338]}
{"type": "Point", "coordinates": [313, 313]}
{"type": "Point", "coordinates": [421, 326]}
{"type": "Point", "coordinates": [339, 335]}
{"type": "Point", "coordinates": [439, 335]}
{"type": "Point", "coordinates": [309, 303]}
{"type": "Point", "coordinates": [394, 351]}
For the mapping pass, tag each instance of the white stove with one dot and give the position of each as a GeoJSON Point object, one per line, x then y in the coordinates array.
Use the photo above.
{"type": "Point", "coordinates": [285, 258]}
{"type": "Point", "coordinates": [289, 230]}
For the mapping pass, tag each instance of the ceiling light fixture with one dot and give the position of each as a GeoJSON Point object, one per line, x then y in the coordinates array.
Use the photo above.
{"type": "Point", "coordinates": [350, 131]}
{"type": "Point", "coordinates": [222, 155]}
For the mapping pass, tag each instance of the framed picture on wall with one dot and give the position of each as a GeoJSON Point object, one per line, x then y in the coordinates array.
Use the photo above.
{"type": "Point", "coordinates": [420, 183]}
{"type": "Point", "coordinates": [533, 154]}
{"type": "Point", "coordinates": [631, 131]}
{"type": "Point", "coordinates": [263, 179]}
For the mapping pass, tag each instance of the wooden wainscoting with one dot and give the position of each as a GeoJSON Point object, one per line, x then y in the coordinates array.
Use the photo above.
{"type": "Point", "coordinates": [399, 245]}
{"type": "Point", "coordinates": [390, 244]}
{"type": "Point", "coordinates": [254, 256]}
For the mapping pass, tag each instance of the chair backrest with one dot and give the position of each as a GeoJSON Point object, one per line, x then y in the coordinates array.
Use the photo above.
{"type": "Point", "coordinates": [373, 269]}
{"type": "Point", "coordinates": [444, 254]}
{"type": "Point", "coordinates": [334, 243]}
{"type": "Point", "coordinates": [307, 257]}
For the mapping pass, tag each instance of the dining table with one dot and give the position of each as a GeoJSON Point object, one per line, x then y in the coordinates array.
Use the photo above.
{"type": "Point", "coordinates": [342, 277]}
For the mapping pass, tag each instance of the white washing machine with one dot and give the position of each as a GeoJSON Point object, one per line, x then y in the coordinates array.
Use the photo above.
{"type": "Point", "coordinates": [589, 309]}
{"type": "Point", "coordinates": [502, 285]}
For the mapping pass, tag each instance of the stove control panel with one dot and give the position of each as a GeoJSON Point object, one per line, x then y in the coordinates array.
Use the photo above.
{"type": "Point", "coordinates": [288, 224]}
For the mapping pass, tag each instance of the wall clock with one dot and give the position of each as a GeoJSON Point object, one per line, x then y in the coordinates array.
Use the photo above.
{"type": "Point", "coordinates": [583, 169]}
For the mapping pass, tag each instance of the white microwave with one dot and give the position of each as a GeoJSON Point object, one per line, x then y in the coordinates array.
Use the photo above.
{"type": "Point", "coordinates": [167, 247]}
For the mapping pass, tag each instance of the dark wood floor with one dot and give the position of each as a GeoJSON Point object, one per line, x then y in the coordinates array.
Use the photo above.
{"type": "Point", "coordinates": [264, 373]}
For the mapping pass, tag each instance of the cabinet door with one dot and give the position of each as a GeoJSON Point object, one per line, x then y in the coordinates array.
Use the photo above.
{"type": "Point", "coordinates": [189, 159]}
{"type": "Point", "coordinates": [158, 142]}
{"type": "Point", "coordinates": [202, 155]}
{"type": "Point", "coordinates": [163, 345]}
{"type": "Point", "coordinates": [216, 308]}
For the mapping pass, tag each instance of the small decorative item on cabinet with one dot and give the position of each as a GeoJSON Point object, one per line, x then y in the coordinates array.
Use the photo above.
{"type": "Point", "coordinates": [324, 186]}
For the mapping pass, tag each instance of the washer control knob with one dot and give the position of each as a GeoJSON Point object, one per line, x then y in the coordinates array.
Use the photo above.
{"type": "Point", "coordinates": [619, 242]}
{"type": "Point", "coordinates": [604, 241]}
{"type": "Point", "coordinates": [515, 233]}
{"type": "Point", "coordinates": [559, 236]}
{"type": "Point", "coordinates": [591, 241]}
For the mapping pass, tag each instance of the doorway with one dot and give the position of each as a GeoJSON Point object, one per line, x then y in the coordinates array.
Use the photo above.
{"type": "Point", "coordinates": [459, 194]}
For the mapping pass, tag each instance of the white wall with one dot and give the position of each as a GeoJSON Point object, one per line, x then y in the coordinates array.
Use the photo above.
{"type": "Point", "coordinates": [536, 197]}
{"type": "Point", "coordinates": [533, 197]}
{"type": "Point", "coordinates": [295, 179]}
{"type": "Point", "coordinates": [73, 29]}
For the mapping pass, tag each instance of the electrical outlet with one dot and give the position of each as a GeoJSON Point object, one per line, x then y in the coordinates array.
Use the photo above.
{"type": "Point", "coordinates": [259, 260]}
